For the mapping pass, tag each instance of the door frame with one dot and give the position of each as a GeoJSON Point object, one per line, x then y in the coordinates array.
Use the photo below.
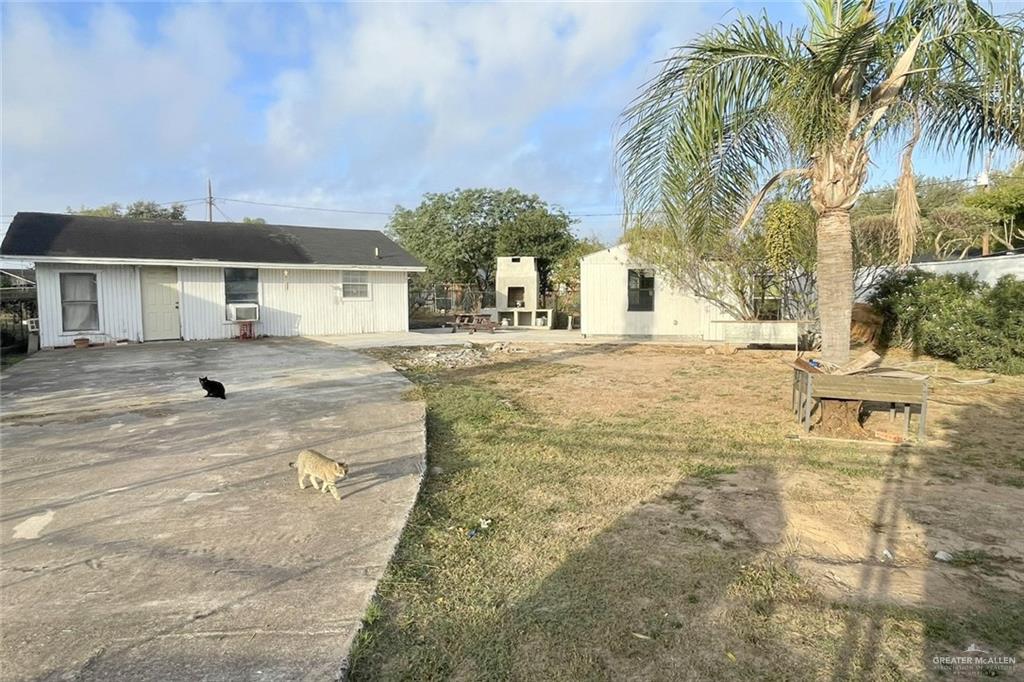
{"type": "Point", "coordinates": [142, 303]}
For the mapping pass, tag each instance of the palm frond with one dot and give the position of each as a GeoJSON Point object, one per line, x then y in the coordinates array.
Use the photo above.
{"type": "Point", "coordinates": [969, 77]}
{"type": "Point", "coordinates": [701, 133]}
{"type": "Point", "coordinates": [829, 18]}
{"type": "Point", "coordinates": [907, 212]}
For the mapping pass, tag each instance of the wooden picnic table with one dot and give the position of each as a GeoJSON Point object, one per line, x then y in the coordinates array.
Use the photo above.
{"type": "Point", "coordinates": [473, 323]}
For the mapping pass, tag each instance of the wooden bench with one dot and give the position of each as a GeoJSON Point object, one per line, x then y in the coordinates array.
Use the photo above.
{"type": "Point", "coordinates": [810, 388]}
{"type": "Point", "coordinates": [474, 323]}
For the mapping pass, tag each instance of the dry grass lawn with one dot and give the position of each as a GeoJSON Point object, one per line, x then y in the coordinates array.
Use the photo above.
{"type": "Point", "coordinates": [653, 518]}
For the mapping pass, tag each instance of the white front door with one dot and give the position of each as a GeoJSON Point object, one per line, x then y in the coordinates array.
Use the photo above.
{"type": "Point", "coordinates": [160, 317]}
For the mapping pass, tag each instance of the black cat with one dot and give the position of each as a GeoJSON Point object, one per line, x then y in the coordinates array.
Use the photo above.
{"type": "Point", "coordinates": [214, 389]}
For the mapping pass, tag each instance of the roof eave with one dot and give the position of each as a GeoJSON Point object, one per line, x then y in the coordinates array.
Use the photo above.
{"type": "Point", "coordinates": [197, 263]}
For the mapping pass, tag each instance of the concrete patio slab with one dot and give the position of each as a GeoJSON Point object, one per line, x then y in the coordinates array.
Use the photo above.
{"type": "Point", "coordinates": [149, 533]}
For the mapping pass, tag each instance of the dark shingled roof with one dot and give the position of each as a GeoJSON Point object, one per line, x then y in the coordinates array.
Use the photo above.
{"type": "Point", "coordinates": [80, 236]}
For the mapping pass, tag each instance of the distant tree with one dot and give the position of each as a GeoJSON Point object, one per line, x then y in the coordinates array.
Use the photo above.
{"type": "Point", "coordinates": [1004, 200]}
{"type": "Point", "coordinates": [957, 221]}
{"type": "Point", "coordinates": [254, 221]}
{"type": "Point", "coordinates": [932, 194]}
{"type": "Point", "coordinates": [459, 235]}
{"type": "Point", "coordinates": [541, 232]}
{"type": "Point", "coordinates": [139, 209]}
{"type": "Point", "coordinates": [565, 271]}
{"type": "Point", "coordinates": [955, 231]}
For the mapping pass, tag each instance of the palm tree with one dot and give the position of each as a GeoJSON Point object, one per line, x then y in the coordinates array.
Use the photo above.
{"type": "Point", "coordinates": [748, 105]}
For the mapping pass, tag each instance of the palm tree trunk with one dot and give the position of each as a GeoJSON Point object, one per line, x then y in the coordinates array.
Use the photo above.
{"type": "Point", "coordinates": [835, 283]}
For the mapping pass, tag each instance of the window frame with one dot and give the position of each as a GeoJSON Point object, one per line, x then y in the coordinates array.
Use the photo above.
{"type": "Point", "coordinates": [366, 282]}
{"type": "Point", "coordinates": [642, 274]}
{"type": "Point", "coordinates": [60, 293]}
{"type": "Point", "coordinates": [228, 302]}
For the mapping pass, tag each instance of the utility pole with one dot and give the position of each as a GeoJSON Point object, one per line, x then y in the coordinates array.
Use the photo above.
{"type": "Point", "coordinates": [986, 247]}
{"type": "Point", "coordinates": [209, 200]}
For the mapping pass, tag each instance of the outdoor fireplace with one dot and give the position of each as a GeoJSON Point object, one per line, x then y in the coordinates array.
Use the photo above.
{"type": "Point", "coordinates": [517, 293]}
{"type": "Point", "coordinates": [516, 297]}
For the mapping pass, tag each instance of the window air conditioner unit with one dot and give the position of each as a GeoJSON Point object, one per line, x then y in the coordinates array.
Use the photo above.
{"type": "Point", "coordinates": [243, 312]}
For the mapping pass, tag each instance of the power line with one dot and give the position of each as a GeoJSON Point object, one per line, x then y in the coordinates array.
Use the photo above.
{"type": "Point", "coordinates": [304, 208]}
{"type": "Point", "coordinates": [211, 199]}
{"type": "Point", "coordinates": [226, 216]}
{"type": "Point", "coordinates": [362, 212]}
{"type": "Point", "coordinates": [182, 201]}
{"type": "Point", "coordinates": [574, 214]}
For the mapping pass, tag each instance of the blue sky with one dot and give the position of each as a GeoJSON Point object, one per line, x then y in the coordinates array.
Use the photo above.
{"type": "Point", "coordinates": [355, 106]}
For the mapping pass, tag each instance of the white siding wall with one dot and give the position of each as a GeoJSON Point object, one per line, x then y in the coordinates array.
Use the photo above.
{"type": "Point", "coordinates": [292, 303]}
{"type": "Point", "coordinates": [604, 301]}
{"type": "Point", "coordinates": [202, 304]}
{"type": "Point", "coordinates": [118, 298]}
{"type": "Point", "coordinates": [309, 303]}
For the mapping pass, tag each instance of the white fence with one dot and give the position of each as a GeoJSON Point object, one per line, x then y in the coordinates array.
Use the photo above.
{"type": "Point", "coordinates": [989, 268]}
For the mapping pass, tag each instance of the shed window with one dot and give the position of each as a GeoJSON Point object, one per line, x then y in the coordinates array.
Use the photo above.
{"type": "Point", "coordinates": [641, 290]}
{"type": "Point", "coordinates": [241, 285]}
{"type": "Point", "coordinates": [355, 284]}
{"type": "Point", "coordinates": [80, 309]}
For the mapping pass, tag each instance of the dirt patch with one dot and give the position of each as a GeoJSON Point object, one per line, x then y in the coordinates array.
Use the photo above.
{"type": "Point", "coordinates": [871, 539]}
{"type": "Point", "coordinates": [841, 419]}
{"type": "Point", "coordinates": [625, 380]}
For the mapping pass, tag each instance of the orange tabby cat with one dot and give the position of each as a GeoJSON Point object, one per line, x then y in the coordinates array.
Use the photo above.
{"type": "Point", "coordinates": [319, 468]}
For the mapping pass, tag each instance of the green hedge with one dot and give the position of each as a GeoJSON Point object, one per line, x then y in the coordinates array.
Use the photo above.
{"type": "Point", "coordinates": [956, 317]}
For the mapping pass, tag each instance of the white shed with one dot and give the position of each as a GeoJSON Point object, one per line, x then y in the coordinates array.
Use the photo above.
{"type": "Point", "coordinates": [620, 297]}
{"type": "Point", "coordinates": [114, 279]}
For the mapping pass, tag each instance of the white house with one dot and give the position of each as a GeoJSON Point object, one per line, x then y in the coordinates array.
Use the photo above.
{"type": "Point", "coordinates": [621, 297]}
{"type": "Point", "coordinates": [114, 279]}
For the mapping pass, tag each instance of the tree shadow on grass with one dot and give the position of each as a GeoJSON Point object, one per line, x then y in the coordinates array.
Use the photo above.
{"type": "Point", "coordinates": [959, 493]}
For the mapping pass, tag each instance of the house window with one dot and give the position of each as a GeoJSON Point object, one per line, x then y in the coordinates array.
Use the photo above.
{"type": "Point", "coordinates": [241, 285]}
{"type": "Point", "coordinates": [768, 308]}
{"type": "Point", "coordinates": [80, 310]}
{"type": "Point", "coordinates": [641, 290]}
{"type": "Point", "coordinates": [355, 284]}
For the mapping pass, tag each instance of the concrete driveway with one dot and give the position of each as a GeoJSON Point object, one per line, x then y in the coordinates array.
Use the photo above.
{"type": "Point", "coordinates": [149, 533]}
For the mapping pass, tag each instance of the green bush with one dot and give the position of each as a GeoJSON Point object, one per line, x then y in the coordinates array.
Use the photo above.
{"type": "Point", "coordinates": [956, 317]}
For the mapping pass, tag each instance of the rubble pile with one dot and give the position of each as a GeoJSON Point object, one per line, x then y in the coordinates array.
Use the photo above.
{"type": "Point", "coordinates": [451, 357]}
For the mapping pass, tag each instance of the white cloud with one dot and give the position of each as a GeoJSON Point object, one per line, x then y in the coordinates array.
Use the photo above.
{"type": "Point", "coordinates": [362, 105]}
{"type": "Point", "coordinates": [426, 97]}
{"type": "Point", "coordinates": [471, 69]}
{"type": "Point", "coordinates": [90, 115]}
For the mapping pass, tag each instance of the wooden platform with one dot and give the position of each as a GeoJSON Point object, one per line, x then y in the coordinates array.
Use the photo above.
{"type": "Point", "coordinates": [810, 388]}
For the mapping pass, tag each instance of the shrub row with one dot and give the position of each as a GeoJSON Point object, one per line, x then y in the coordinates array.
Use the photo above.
{"type": "Point", "coordinates": [956, 317]}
